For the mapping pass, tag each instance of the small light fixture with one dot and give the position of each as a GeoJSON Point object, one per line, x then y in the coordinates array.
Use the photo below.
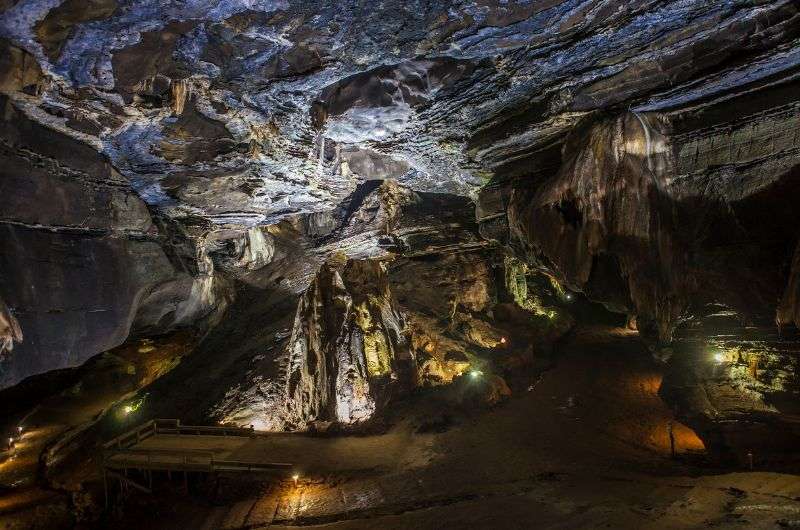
{"type": "Point", "coordinates": [502, 340]}
{"type": "Point", "coordinates": [295, 478]}
{"type": "Point", "coordinates": [19, 429]}
{"type": "Point", "coordinates": [475, 374]}
{"type": "Point", "coordinates": [127, 410]}
{"type": "Point", "coordinates": [719, 357]}
{"type": "Point", "coordinates": [568, 296]}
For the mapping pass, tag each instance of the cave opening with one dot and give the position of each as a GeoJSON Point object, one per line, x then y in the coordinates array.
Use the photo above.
{"type": "Point", "coordinates": [502, 264]}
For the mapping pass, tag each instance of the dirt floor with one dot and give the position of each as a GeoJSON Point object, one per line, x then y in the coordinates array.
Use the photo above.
{"type": "Point", "coordinates": [585, 445]}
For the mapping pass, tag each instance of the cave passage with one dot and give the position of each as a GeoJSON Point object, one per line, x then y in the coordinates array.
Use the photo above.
{"type": "Point", "coordinates": [387, 264]}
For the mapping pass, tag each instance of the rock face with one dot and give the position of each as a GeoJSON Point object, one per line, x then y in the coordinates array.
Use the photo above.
{"type": "Point", "coordinates": [84, 262]}
{"type": "Point", "coordinates": [265, 103]}
{"type": "Point", "coordinates": [789, 308]}
{"type": "Point", "coordinates": [647, 220]}
{"type": "Point", "coordinates": [10, 331]}
{"type": "Point", "coordinates": [346, 344]}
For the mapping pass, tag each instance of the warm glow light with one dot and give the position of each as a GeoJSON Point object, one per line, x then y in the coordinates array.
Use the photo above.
{"type": "Point", "coordinates": [19, 429]}
{"type": "Point", "coordinates": [475, 374]}
{"type": "Point", "coordinates": [719, 357]}
{"type": "Point", "coordinates": [128, 409]}
{"type": "Point", "coordinates": [295, 478]}
{"type": "Point", "coordinates": [568, 296]}
{"type": "Point", "coordinates": [502, 340]}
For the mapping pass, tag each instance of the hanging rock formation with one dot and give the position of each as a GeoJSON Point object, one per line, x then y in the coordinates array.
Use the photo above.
{"type": "Point", "coordinates": [657, 223]}
{"type": "Point", "coordinates": [10, 331]}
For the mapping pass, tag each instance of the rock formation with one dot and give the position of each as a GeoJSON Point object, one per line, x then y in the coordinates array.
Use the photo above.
{"type": "Point", "coordinates": [9, 330]}
{"type": "Point", "coordinates": [346, 350]}
{"type": "Point", "coordinates": [301, 180]}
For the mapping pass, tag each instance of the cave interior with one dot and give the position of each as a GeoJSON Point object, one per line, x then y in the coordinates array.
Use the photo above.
{"type": "Point", "coordinates": [399, 264]}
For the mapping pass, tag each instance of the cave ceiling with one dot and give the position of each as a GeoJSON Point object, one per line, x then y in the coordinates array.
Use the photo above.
{"type": "Point", "coordinates": [644, 152]}
{"type": "Point", "coordinates": [248, 111]}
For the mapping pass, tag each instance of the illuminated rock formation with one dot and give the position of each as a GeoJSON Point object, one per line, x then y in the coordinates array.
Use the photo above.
{"type": "Point", "coordinates": [199, 164]}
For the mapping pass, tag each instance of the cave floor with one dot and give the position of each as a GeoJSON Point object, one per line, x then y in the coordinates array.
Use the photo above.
{"type": "Point", "coordinates": [585, 447]}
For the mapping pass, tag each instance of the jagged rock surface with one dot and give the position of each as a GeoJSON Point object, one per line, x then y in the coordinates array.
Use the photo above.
{"type": "Point", "coordinates": [633, 223]}
{"type": "Point", "coordinates": [346, 352]}
{"type": "Point", "coordinates": [156, 153]}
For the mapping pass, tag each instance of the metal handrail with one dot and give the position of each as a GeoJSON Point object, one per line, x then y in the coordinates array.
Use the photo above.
{"type": "Point", "coordinates": [239, 463]}
{"type": "Point", "coordinates": [156, 426]}
{"type": "Point", "coordinates": [122, 446]}
{"type": "Point", "coordinates": [179, 452]}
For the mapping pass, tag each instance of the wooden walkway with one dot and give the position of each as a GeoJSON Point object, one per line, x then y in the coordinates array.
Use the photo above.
{"type": "Point", "coordinates": [168, 446]}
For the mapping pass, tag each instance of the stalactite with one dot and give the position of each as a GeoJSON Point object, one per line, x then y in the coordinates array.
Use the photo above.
{"type": "Point", "coordinates": [181, 92]}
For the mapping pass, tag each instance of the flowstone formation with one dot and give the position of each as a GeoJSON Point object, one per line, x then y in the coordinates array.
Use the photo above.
{"type": "Point", "coordinates": [346, 350]}
{"type": "Point", "coordinates": [254, 169]}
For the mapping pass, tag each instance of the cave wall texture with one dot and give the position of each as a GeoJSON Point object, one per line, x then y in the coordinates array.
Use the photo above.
{"type": "Point", "coordinates": [253, 167]}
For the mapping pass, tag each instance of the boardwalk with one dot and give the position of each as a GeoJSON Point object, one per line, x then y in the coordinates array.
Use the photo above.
{"type": "Point", "coordinates": [166, 445]}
